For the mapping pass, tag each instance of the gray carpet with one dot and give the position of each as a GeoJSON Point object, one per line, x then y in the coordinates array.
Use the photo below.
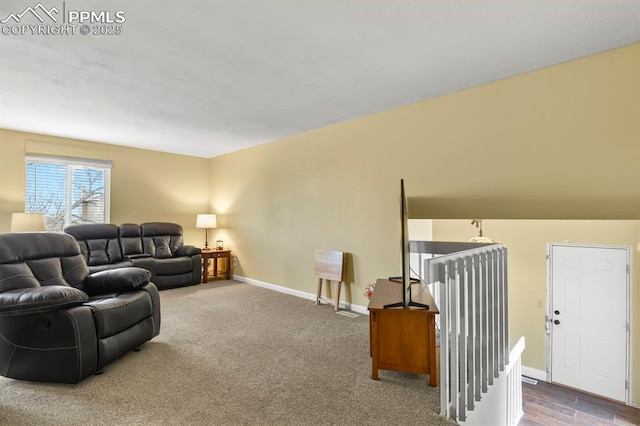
{"type": "Point", "coordinates": [234, 354]}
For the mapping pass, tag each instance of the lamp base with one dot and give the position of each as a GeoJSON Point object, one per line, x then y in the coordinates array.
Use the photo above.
{"type": "Point", "coordinates": [206, 238]}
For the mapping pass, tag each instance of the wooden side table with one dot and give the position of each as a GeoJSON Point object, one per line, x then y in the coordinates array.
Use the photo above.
{"type": "Point", "coordinates": [214, 255]}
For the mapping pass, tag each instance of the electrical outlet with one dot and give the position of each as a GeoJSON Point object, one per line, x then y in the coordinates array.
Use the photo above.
{"type": "Point", "coordinates": [235, 261]}
{"type": "Point", "coordinates": [540, 303]}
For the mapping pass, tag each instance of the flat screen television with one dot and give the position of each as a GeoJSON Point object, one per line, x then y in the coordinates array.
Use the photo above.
{"type": "Point", "coordinates": [405, 279]}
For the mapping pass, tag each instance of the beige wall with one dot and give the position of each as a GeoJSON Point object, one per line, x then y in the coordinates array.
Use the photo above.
{"type": "Point", "coordinates": [561, 142]}
{"type": "Point", "coordinates": [557, 143]}
{"type": "Point", "coordinates": [527, 241]}
{"type": "Point", "coordinates": [145, 185]}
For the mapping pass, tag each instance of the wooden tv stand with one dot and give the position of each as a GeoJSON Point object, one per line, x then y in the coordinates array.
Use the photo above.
{"type": "Point", "coordinates": [402, 339]}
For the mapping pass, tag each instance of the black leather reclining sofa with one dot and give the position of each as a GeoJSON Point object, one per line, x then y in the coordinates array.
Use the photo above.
{"type": "Point", "coordinates": [60, 323]}
{"type": "Point", "coordinates": [155, 246]}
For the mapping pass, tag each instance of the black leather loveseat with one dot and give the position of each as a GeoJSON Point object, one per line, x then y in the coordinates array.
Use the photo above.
{"type": "Point", "coordinates": [155, 246]}
{"type": "Point", "coordinates": [58, 322]}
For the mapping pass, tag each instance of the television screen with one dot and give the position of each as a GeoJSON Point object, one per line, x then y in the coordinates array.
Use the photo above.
{"type": "Point", "coordinates": [405, 278]}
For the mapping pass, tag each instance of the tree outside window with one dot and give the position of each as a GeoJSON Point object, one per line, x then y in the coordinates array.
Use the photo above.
{"type": "Point", "coordinates": [67, 190]}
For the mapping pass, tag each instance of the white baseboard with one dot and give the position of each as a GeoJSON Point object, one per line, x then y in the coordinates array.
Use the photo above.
{"type": "Point", "coordinates": [344, 305]}
{"type": "Point", "coordinates": [534, 373]}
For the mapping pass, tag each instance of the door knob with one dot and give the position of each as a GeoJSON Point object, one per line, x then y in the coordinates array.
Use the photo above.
{"type": "Point", "coordinates": [556, 322]}
{"type": "Point", "coordinates": [556, 312]}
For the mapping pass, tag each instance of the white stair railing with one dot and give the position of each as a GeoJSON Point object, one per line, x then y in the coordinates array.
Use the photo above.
{"type": "Point", "coordinates": [502, 404]}
{"type": "Point", "coordinates": [470, 289]}
{"type": "Point", "coordinates": [514, 382]}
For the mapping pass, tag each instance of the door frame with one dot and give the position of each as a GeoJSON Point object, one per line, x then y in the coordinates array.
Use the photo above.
{"type": "Point", "coordinates": [548, 314]}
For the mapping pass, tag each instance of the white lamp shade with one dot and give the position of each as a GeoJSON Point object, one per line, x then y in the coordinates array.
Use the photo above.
{"type": "Point", "coordinates": [27, 222]}
{"type": "Point", "coordinates": [206, 221]}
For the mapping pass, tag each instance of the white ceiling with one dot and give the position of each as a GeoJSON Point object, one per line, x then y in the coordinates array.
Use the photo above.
{"type": "Point", "coordinates": [208, 77]}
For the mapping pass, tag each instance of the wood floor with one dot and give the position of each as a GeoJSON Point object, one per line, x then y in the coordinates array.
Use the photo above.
{"type": "Point", "coordinates": [550, 405]}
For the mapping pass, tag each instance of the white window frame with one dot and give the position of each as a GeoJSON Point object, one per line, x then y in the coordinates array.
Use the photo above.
{"type": "Point", "coordinates": [70, 163]}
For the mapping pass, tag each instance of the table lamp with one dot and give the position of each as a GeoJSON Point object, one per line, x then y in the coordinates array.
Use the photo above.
{"type": "Point", "coordinates": [206, 221]}
{"type": "Point", "coordinates": [27, 222]}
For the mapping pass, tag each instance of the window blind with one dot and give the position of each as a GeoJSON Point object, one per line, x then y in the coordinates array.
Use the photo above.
{"type": "Point", "coordinates": [68, 190]}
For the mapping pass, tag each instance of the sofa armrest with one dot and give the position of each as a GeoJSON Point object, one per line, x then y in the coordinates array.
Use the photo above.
{"type": "Point", "coordinates": [116, 280]}
{"type": "Point", "coordinates": [136, 256]}
{"type": "Point", "coordinates": [187, 251]}
{"type": "Point", "coordinates": [35, 300]}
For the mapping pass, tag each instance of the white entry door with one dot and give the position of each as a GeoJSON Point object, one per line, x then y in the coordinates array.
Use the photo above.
{"type": "Point", "coordinates": [589, 318]}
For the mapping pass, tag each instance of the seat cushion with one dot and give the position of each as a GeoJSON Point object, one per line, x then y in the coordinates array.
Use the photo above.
{"type": "Point", "coordinates": [174, 266]}
{"type": "Point", "coordinates": [115, 314]}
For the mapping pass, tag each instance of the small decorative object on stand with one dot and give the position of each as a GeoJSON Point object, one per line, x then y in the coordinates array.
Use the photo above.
{"type": "Point", "coordinates": [219, 245]}
{"type": "Point", "coordinates": [368, 290]}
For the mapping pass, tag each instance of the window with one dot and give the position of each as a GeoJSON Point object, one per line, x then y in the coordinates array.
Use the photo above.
{"type": "Point", "coordinates": [68, 190]}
